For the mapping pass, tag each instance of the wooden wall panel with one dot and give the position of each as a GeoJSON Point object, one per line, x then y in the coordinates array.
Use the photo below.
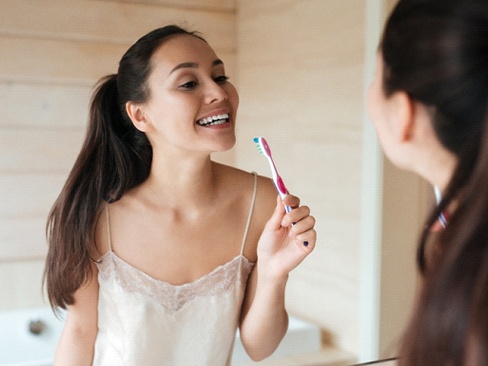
{"type": "Point", "coordinates": [38, 106]}
{"type": "Point", "coordinates": [28, 196]}
{"type": "Point", "coordinates": [109, 21]}
{"type": "Point", "coordinates": [20, 286]}
{"type": "Point", "coordinates": [55, 61]}
{"type": "Point", "coordinates": [39, 150]}
{"type": "Point", "coordinates": [301, 81]}
{"type": "Point", "coordinates": [215, 5]}
{"type": "Point", "coordinates": [22, 238]}
{"type": "Point", "coordinates": [65, 62]}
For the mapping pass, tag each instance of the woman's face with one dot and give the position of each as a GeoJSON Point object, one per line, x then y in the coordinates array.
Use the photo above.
{"type": "Point", "coordinates": [191, 106]}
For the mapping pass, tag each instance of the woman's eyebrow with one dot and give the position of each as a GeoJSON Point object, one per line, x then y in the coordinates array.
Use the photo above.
{"type": "Point", "coordinates": [193, 65]}
{"type": "Point", "coordinates": [217, 62]}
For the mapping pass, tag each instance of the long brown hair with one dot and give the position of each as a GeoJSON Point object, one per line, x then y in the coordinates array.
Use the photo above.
{"type": "Point", "coordinates": [114, 157]}
{"type": "Point", "coordinates": [437, 52]}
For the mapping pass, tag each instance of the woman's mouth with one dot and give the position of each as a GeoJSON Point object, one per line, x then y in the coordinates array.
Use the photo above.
{"type": "Point", "coordinates": [213, 120]}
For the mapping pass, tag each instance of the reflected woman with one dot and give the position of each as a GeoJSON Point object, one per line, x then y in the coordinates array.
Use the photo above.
{"type": "Point", "coordinates": [158, 252]}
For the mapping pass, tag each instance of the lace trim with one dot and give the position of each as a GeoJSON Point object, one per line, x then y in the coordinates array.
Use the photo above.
{"type": "Point", "coordinates": [174, 298]}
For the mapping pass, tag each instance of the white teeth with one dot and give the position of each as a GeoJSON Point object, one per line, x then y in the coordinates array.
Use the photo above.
{"type": "Point", "coordinates": [214, 120]}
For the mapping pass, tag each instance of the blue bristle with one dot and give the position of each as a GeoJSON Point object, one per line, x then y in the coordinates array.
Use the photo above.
{"type": "Point", "coordinates": [258, 145]}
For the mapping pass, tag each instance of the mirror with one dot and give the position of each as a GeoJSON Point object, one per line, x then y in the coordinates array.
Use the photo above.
{"type": "Point", "coordinates": [302, 70]}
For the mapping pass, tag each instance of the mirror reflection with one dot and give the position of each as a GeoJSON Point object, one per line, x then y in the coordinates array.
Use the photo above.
{"type": "Point", "coordinates": [302, 69]}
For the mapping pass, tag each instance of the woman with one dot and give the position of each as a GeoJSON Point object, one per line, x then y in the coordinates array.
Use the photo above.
{"type": "Point", "coordinates": [429, 105]}
{"type": "Point", "coordinates": [151, 242]}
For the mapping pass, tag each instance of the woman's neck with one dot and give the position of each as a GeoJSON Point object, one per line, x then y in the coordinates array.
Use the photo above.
{"type": "Point", "coordinates": [182, 182]}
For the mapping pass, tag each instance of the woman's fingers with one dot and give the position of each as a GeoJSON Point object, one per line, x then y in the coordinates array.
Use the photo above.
{"type": "Point", "coordinates": [295, 216]}
{"type": "Point", "coordinates": [291, 200]}
{"type": "Point", "coordinates": [303, 231]}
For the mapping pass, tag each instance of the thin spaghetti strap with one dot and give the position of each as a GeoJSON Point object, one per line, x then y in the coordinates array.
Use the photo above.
{"type": "Point", "coordinates": [109, 238]}
{"type": "Point", "coordinates": [250, 211]}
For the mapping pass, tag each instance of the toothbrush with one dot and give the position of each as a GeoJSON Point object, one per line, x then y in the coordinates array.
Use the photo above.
{"type": "Point", "coordinates": [264, 149]}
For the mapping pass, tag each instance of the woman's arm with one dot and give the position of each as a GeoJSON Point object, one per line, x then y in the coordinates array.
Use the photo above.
{"type": "Point", "coordinates": [286, 240]}
{"type": "Point", "coordinates": [76, 345]}
{"type": "Point", "coordinates": [264, 319]}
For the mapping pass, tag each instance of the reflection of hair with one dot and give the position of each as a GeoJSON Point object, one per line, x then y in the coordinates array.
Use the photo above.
{"type": "Point", "coordinates": [437, 52]}
{"type": "Point", "coordinates": [115, 157]}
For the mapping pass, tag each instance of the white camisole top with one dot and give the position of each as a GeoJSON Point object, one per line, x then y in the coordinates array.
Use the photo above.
{"type": "Point", "coordinates": [143, 321]}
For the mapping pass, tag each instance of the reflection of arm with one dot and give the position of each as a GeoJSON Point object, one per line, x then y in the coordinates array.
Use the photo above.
{"type": "Point", "coordinates": [77, 341]}
{"type": "Point", "coordinates": [281, 248]}
{"type": "Point", "coordinates": [265, 320]}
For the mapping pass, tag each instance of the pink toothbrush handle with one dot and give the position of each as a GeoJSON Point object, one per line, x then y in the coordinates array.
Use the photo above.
{"type": "Point", "coordinates": [281, 187]}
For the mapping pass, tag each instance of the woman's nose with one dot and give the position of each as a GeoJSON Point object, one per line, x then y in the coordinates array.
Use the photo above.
{"type": "Point", "coordinates": [215, 93]}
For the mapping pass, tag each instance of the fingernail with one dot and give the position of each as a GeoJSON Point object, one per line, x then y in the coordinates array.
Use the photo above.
{"type": "Point", "coordinates": [305, 243]}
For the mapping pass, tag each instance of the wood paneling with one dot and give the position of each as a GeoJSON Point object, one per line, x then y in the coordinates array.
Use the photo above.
{"type": "Point", "coordinates": [20, 286]}
{"type": "Point", "coordinates": [37, 151]}
{"type": "Point", "coordinates": [43, 106]}
{"type": "Point", "coordinates": [54, 61]}
{"type": "Point", "coordinates": [62, 61]}
{"type": "Point", "coordinates": [109, 21]}
{"type": "Point", "coordinates": [214, 5]}
{"type": "Point", "coordinates": [28, 195]}
{"type": "Point", "coordinates": [22, 238]}
{"type": "Point", "coordinates": [301, 71]}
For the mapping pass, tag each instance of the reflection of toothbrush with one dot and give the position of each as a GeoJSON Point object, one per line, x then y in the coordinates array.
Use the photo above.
{"type": "Point", "coordinates": [264, 149]}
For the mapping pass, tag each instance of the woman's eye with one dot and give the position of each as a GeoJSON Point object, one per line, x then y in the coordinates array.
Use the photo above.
{"type": "Point", "coordinates": [189, 85]}
{"type": "Point", "coordinates": [221, 79]}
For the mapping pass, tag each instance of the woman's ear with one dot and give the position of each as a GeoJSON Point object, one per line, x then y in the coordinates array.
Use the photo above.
{"type": "Point", "coordinates": [404, 116]}
{"type": "Point", "coordinates": [137, 115]}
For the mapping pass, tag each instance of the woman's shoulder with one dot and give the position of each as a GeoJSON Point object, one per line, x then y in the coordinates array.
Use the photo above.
{"type": "Point", "coordinates": [244, 180]}
{"type": "Point", "coordinates": [239, 175]}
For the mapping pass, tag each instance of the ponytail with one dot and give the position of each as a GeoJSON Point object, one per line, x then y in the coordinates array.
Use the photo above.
{"type": "Point", "coordinates": [115, 157]}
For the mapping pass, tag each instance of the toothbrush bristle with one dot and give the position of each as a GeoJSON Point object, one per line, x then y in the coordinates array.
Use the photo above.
{"type": "Point", "coordinates": [258, 145]}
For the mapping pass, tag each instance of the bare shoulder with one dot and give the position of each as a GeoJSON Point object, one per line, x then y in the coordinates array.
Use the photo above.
{"type": "Point", "coordinates": [265, 197]}
{"type": "Point", "coordinates": [242, 180]}
{"type": "Point", "coordinates": [230, 173]}
{"type": "Point", "coordinates": [264, 204]}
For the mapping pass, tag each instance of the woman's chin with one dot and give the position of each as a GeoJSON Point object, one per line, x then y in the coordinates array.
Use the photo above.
{"type": "Point", "coordinates": [226, 146]}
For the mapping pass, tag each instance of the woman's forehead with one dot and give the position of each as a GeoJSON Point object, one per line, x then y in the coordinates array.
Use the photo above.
{"type": "Point", "coordinates": [183, 49]}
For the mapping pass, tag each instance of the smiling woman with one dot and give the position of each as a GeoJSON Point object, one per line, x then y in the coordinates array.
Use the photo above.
{"type": "Point", "coordinates": [173, 108]}
{"type": "Point", "coordinates": [154, 248]}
